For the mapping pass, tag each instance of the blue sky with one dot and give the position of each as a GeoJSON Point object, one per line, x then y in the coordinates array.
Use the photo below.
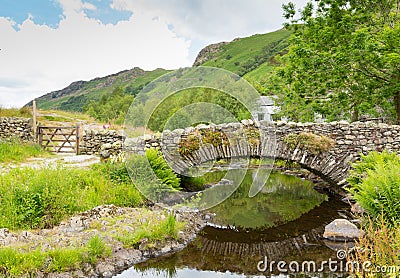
{"type": "Point", "coordinates": [47, 44]}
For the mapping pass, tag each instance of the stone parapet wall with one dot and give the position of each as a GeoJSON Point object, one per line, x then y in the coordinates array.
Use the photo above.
{"type": "Point", "coordinates": [16, 128]}
{"type": "Point", "coordinates": [351, 140]}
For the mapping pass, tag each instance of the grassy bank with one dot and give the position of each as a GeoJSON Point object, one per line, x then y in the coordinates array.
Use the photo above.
{"type": "Point", "coordinates": [15, 262]}
{"type": "Point", "coordinates": [16, 151]}
{"type": "Point", "coordinates": [109, 232]}
{"type": "Point", "coordinates": [24, 112]}
{"type": "Point", "coordinates": [41, 198]}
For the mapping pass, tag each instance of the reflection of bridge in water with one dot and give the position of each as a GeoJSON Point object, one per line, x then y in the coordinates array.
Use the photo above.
{"type": "Point", "coordinates": [239, 250]}
{"type": "Point", "coordinates": [273, 250]}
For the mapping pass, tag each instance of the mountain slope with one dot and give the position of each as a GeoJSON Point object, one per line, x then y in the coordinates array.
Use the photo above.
{"type": "Point", "coordinates": [251, 57]}
{"type": "Point", "coordinates": [79, 93]}
{"type": "Point", "coordinates": [244, 55]}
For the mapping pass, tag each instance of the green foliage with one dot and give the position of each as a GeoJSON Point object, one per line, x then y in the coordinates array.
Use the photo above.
{"type": "Point", "coordinates": [309, 141]}
{"type": "Point", "coordinates": [152, 232]}
{"type": "Point", "coordinates": [343, 61]}
{"type": "Point", "coordinates": [375, 185]}
{"type": "Point", "coordinates": [16, 263]}
{"type": "Point", "coordinates": [370, 162]}
{"type": "Point", "coordinates": [171, 105]}
{"type": "Point", "coordinates": [24, 112]}
{"type": "Point", "coordinates": [16, 151]}
{"type": "Point", "coordinates": [162, 169]}
{"type": "Point", "coordinates": [41, 198]}
{"type": "Point", "coordinates": [110, 107]}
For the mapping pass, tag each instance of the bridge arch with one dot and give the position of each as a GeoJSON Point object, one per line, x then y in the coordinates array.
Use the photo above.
{"type": "Point", "coordinates": [332, 164]}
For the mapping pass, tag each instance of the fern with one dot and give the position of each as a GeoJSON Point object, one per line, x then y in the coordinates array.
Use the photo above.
{"type": "Point", "coordinates": [375, 185]}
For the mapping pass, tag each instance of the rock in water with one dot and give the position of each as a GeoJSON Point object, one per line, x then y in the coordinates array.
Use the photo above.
{"type": "Point", "coordinates": [341, 230]}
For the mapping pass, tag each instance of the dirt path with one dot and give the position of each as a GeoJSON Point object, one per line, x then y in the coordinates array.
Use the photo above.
{"type": "Point", "coordinates": [67, 160]}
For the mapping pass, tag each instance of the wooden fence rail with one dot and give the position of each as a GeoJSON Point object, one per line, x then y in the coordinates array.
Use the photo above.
{"type": "Point", "coordinates": [59, 139]}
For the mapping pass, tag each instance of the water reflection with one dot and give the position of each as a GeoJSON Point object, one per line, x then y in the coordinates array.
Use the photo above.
{"type": "Point", "coordinates": [264, 226]}
{"type": "Point", "coordinates": [282, 199]}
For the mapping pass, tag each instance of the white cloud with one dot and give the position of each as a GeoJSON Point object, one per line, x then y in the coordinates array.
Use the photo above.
{"type": "Point", "coordinates": [214, 19]}
{"type": "Point", "coordinates": [41, 59]}
{"type": "Point", "coordinates": [89, 6]}
{"type": "Point", "coordinates": [38, 59]}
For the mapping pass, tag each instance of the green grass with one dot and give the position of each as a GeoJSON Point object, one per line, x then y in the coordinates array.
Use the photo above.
{"type": "Point", "coordinates": [42, 198]}
{"type": "Point", "coordinates": [152, 231]}
{"type": "Point", "coordinates": [15, 151]}
{"type": "Point", "coordinates": [16, 112]}
{"type": "Point", "coordinates": [15, 263]}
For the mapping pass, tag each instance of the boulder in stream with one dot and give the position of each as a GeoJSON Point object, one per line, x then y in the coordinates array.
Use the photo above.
{"type": "Point", "coordinates": [342, 230]}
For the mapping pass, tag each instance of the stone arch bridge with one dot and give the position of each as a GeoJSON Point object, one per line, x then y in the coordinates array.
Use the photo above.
{"type": "Point", "coordinates": [347, 141]}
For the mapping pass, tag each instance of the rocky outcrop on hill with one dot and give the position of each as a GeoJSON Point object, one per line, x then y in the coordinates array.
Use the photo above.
{"type": "Point", "coordinates": [207, 53]}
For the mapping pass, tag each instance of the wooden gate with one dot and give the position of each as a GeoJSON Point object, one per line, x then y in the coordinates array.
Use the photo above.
{"type": "Point", "coordinates": [59, 139]}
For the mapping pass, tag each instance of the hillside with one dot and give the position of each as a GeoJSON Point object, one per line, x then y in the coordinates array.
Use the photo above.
{"type": "Point", "coordinates": [251, 57]}
{"type": "Point", "coordinates": [79, 93]}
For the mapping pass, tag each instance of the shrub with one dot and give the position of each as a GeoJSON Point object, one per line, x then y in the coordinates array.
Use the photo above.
{"type": "Point", "coordinates": [375, 185]}
{"type": "Point", "coordinates": [189, 145]}
{"type": "Point", "coordinates": [309, 141]}
{"type": "Point", "coordinates": [369, 162]}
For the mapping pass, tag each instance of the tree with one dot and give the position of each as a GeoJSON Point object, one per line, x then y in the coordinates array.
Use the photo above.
{"type": "Point", "coordinates": [343, 62]}
{"type": "Point", "coordinates": [113, 106]}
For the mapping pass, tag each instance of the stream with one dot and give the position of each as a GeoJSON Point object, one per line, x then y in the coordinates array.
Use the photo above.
{"type": "Point", "coordinates": [283, 222]}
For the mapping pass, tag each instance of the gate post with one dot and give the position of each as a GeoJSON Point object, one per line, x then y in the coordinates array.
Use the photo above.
{"type": "Point", "coordinates": [77, 138]}
{"type": "Point", "coordinates": [39, 135]}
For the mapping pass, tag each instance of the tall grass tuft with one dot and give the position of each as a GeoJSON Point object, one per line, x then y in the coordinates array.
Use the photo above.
{"type": "Point", "coordinates": [380, 246]}
{"type": "Point", "coordinates": [156, 231]}
{"type": "Point", "coordinates": [17, 263]}
{"type": "Point", "coordinates": [24, 112]}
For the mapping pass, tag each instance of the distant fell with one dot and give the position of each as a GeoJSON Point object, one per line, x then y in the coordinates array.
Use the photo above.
{"type": "Point", "coordinates": [251, 57]}
{"type": "Point", "coordinates": [75, 96]}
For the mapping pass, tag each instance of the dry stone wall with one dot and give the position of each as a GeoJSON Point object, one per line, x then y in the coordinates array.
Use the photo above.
{"type": "Point", "coordinates": [18, 128]}
{"type": "Point", "coordinates": [105, 142]}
